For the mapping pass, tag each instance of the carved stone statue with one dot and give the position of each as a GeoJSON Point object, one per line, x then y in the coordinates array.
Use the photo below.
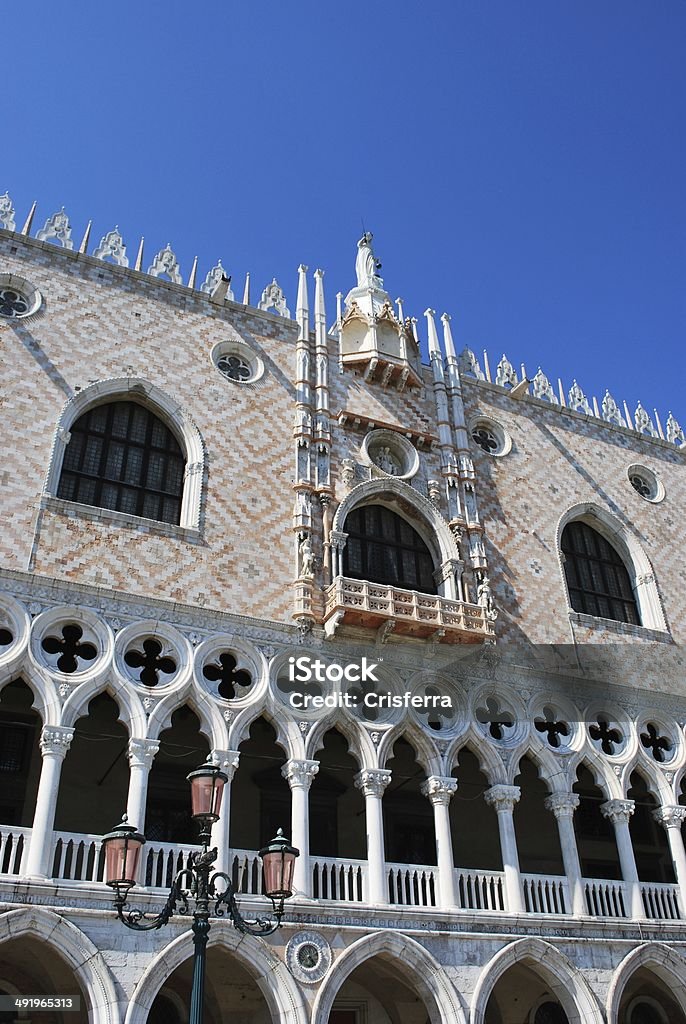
{"type": "Point", "coordinates": [386, 461]}
{"type": "Point", "coordinates": [484, 597]}
{"type": "Point", "coordinates": [306, 557]}
{"type": "Point", "coordinates": [366, 264]}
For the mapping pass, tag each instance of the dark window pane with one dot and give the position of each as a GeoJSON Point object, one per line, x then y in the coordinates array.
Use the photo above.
{"type": "Point", "coordinates": [124, 443]}
{"type": "Point", "coordinates": [597, 578]}
{"type": "Point", "coordinates": [384, 548]}
{"type": "Point", "coordinates": [86, 490]}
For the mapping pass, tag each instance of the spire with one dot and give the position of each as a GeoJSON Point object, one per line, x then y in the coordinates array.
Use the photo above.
{"type": "Point", "coordinates": [194, 270]}
{"type": "Point", "coordinates": [302, 307]}
{"type": "Point", "coordinates": [139, 258]}
{"type": "Point", "coordinates": [448, 338]}
{"type": "Point", "coordinates": [246, 290]}
{"type": "Point", "coordinates": [86, 235]}
{"type": "Point", "coordinates": [29, 220]}
{"type": "Point", "coordinates": [434, 347]}
{"type": "Point", "coordinates": [319, 308]}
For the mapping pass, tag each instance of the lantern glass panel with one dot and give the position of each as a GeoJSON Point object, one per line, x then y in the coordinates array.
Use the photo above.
{"type": "Point", "coordinates": [206, 795]}
{"type": "Point", "coordinates": [121, 860]}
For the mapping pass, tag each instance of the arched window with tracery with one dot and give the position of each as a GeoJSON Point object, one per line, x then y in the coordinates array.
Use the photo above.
{"type": "Point", "coordinates": [121, 456]}
{"type": "Point", "coordinates": [382, 547]}
{"type": "Point", "coordinates": [597, 578]}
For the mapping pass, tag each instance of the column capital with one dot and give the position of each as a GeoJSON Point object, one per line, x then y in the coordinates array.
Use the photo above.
{"type": "Point", "coordinates": [141, 752]}
{"type": "Point", "coordinates": [562, 804]}
{"type": "Point", "coordinates": [438, 789]}
{"type": "Point", "coordinates": [300, 773]}
{"type": "Point", "coordinates": [373, 781]}
{"type": "Point", "coordinates": [55, 740]}
{"type": "Point", "coordinates": [227, 760]}
{"type": "Point", "coordinates": [618, 811]}
{"type": "Point", "coordinates": [670, 815]}
{"type": "Point", "coordinates": [502, 797]}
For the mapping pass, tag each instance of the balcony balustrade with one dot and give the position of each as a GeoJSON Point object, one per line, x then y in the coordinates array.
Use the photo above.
{"type": "Point", "coordinates": [78, 861]}
{"type": "Point", "coordinates": [359, 603]}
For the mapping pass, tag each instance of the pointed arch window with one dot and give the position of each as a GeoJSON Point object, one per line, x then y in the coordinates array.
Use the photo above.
{"type": "Point", "coordinates": [597, 578]}
{"type": "Point", "coordinates": [121, 456]}
{"type": "Point", "coordinates": [383, 548]}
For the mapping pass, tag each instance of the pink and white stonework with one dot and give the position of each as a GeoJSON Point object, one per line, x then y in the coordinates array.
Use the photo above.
{"type": "Point", "coordinates": [506, 848]}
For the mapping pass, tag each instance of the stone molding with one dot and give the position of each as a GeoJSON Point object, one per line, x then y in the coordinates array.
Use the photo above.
{"type": "Point", "coordinates": [562, 804]}
{"type": "Point", "coordinates": [670, 815]}
{"type": "Point", "coordinates": [55, 741]}
{"type": "Point", "coordinates": [502, 797]}
{"type": "Point", "coordinates": [618, 811]}
{"type": "Point", "coordinates": [439, 789]}
{"type": "Point", "coordinates": [300, 773]}
{"type": "Point", "coordinates": [373, 781]}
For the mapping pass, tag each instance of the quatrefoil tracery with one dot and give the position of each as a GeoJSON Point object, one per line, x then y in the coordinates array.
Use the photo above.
{"type": "Point", "coordinates": [70, 648]}
{"type": "Point", "coordinates": [657, 744]}
{"type": "Point", "coordinates": [498, 719]}
{"type": "Point", "coordinates": [6, 637]}
{"type": "Point", "coordinates": [233, 683]}
{"type": "Point", "coordinates": [608, 737]}
{"type": "Point", "coordinates": [549, 724]}
{"type": "Point", "coordinates": [150, 661]}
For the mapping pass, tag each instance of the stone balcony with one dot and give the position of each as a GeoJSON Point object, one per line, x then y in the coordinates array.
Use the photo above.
{"type": "Point", "coordinates": [78, 862]}
{"type": "Point", "coordinates": [408, 613]}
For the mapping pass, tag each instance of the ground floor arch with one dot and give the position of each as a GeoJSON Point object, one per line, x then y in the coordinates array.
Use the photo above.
{"type": "Point", "coordinates": [649, 986]}
{"type": "Point", "coordinates": [247, 983]}
{"type": "Point", "coordinates": [530, 978]}
{"type": "Point", "coordinates": [395, 978]}
{"type": "Point", "coordinates": [41, 953]}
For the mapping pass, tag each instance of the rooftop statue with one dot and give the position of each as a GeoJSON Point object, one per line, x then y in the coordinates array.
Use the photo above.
{"type": "Point", "coordinates": [366, 264]}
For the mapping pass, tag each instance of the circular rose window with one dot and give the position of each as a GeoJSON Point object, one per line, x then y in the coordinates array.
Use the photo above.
{"type": "Point", "coordinates": [491, 437]}
{"type": "Point", "coordinates": [18, 298]}
{"type": "Point", "coordinates": [237, 362]}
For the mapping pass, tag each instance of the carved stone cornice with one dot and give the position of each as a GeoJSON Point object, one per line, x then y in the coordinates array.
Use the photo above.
{"type": "Point", "coordinates": [618, 811]}
{"type": "Point", "coordinates": [502, 797]}
{"type": "Point", "coordinates": [439, 789]}
{"type": "Point", "coordinates": [670, 815]}
{"type": "Point", "coordinates": [55, 740]}
{"type": "Point", "coordinates": [141, 753]}
{"type": "Point", "coordinates": [373, 781]}
{"type": "Point", "coordinates": [300, 773]}
{"type": "Point", "coordinates": [562, 804]}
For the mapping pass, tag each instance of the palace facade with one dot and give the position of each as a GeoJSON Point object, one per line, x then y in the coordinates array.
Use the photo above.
{"type": "Point", "coordinates": [426, 617]}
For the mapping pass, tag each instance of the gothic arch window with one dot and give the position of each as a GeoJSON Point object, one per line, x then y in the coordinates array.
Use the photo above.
{"type": "Point", "coordinates": [382, 547]}
{"type": "Point", "coordinates": [121, 456]}
{"type": "Point", "coordinates": [597, 578]}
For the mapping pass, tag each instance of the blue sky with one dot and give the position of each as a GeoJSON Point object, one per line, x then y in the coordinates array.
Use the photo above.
{"type": "Point", "coordinates": [521, 164]}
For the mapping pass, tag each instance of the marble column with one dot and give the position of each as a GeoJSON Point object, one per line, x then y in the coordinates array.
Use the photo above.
{"type": "Point", "coordinates": [54, 744]}
{"type": "Point", "coordinates": [141, 754]}
{"type": "Point", "coordinates": [227, 760]}
{"type": "Point", "coordinates": [299, 775]}
{"type": "Point", "coordinates": [563, 806]}
{"type": "Point", "coordinates": [503, 798]}
{"type": "Point", "coordinates": [372, 782]}
{"type": "Point", "coordinates": [671, 817]}
{"type": "Point", "coordinates": [619, 812]}
{"type": "Point", "coordinates": [439, 790]}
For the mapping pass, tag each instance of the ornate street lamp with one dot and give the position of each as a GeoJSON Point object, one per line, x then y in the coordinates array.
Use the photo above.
{"type": "Point", "coordinates": [197, 881]}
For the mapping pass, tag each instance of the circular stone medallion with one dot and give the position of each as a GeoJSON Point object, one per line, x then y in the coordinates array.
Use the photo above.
{"type": "Point", "coordinates": [308, 957]}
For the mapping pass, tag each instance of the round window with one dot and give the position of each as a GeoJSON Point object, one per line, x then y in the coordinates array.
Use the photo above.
{"type": "Point", "coordinates": [491, 437]}
{"type": "Point", "coordinates": [18, 298]}
{"type": "Point", "coordinates": [235, 368]}
{"type": "Point", "coordinates": [237, 362]}
{"type": "Point", "coordinates": [645, 483]}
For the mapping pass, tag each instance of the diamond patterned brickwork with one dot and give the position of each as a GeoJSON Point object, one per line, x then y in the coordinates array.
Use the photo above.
{"type": "Point", "coordinates": [101, 322]}
{"type": "Point", "coordinates": [560, 459]}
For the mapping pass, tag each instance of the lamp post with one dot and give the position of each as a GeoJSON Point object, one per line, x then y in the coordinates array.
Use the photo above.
{"type": "Point", "coordinates": [197, 881]}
